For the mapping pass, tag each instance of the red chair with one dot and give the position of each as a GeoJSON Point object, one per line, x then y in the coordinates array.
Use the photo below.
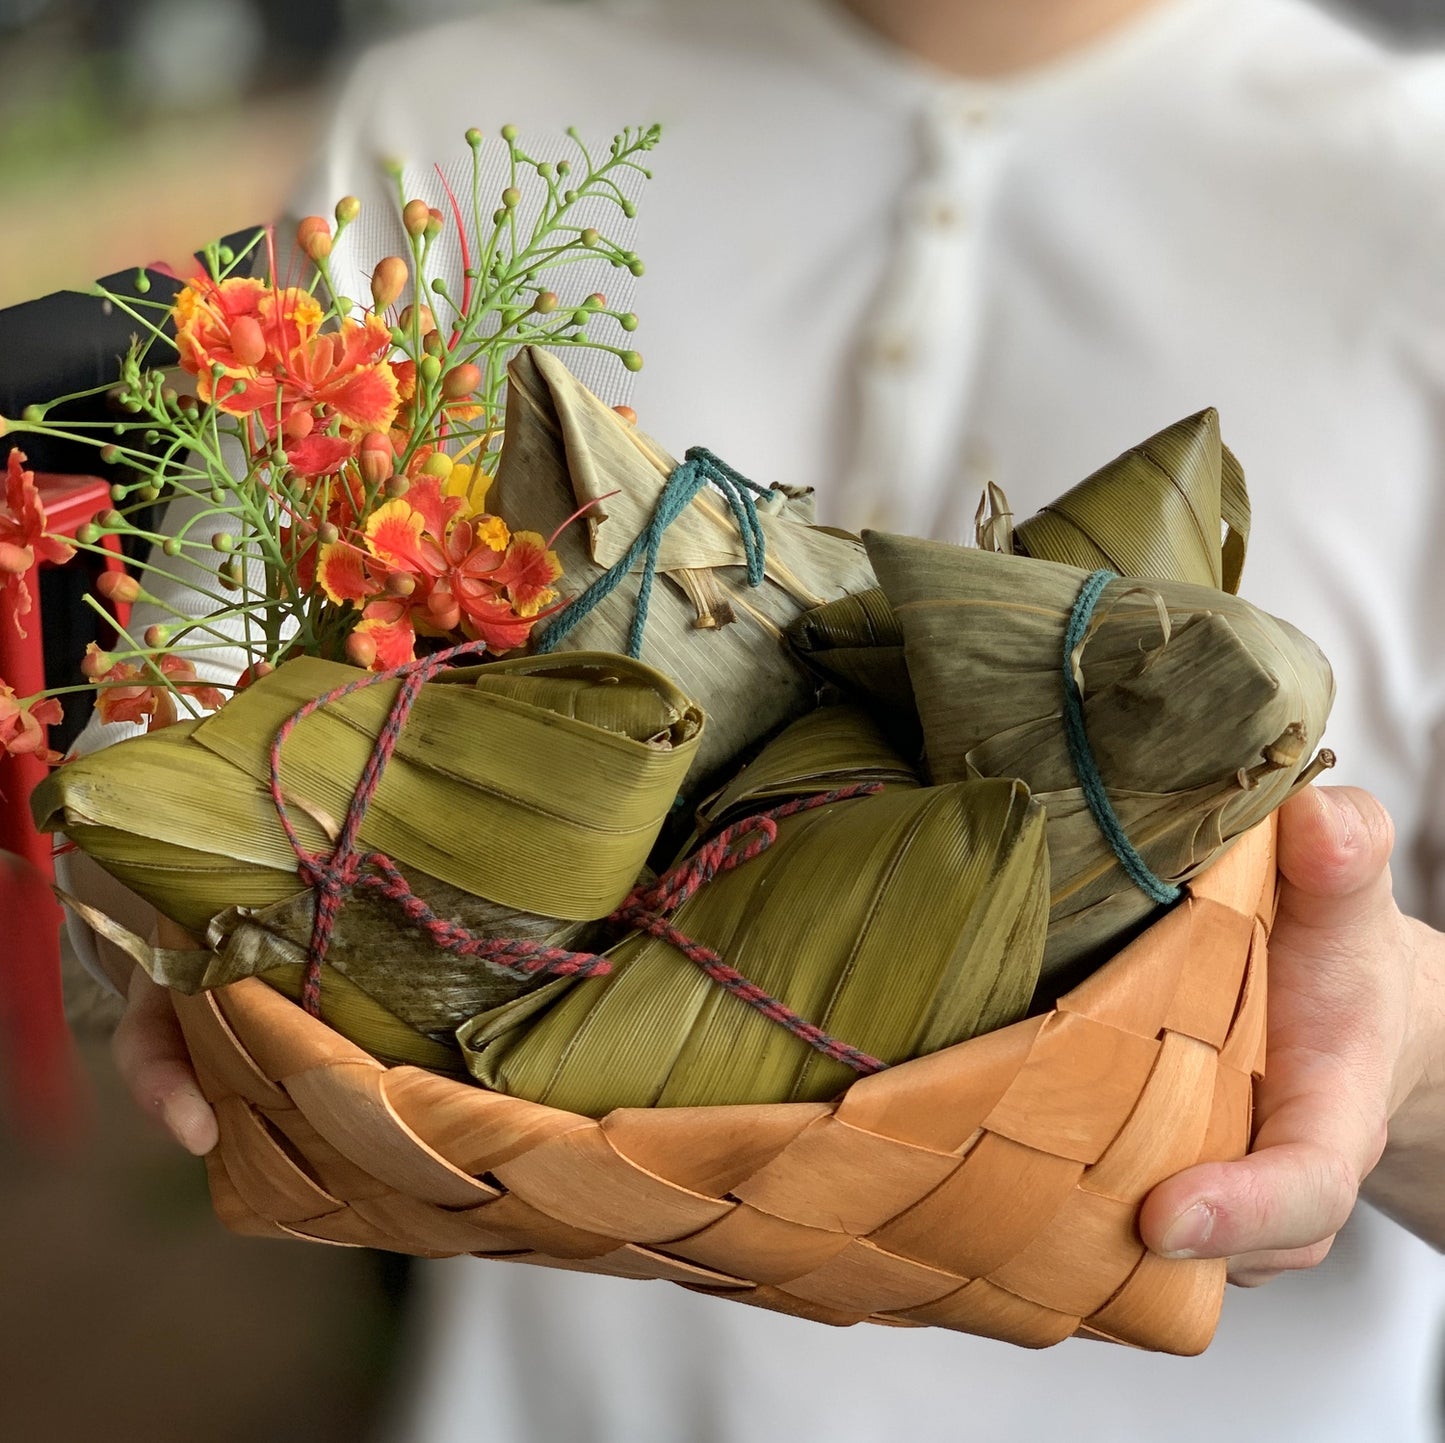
{"type": "Point", "coordinates": [39, 1046]}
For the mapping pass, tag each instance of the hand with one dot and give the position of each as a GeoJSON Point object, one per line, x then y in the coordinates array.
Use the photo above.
{"type": "Point", "coordinates": [1341, 1054]}
{"type": "Point", "coordinates": [150, 1055]}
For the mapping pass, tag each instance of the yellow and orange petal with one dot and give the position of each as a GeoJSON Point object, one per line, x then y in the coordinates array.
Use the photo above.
{"type": "Point", "coordinates": [342, 574]}
{"type": "Point", "coordinates": [393, 535]}
{"type": "Point", "coordinates": [388, 624]}
{"type": "Point", "coordinates": [528, 572]}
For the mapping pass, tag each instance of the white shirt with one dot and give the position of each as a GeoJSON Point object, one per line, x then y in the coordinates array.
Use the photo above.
{"type": "Point", "coordinates": [894, 285]}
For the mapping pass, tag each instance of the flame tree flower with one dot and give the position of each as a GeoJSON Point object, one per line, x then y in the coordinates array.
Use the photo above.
{"type": "Point", "coordinates": [334, 456]}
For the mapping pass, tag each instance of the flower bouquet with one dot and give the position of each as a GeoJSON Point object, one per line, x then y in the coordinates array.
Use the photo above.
{"type": "Point", "coordinates": [593, 862]}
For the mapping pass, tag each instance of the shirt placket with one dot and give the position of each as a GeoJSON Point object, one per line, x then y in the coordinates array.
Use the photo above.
{"type": "Point", "coordinates": [919, 347]}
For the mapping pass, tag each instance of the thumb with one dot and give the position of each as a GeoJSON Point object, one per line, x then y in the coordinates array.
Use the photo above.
{"type": "Point", "coordinates": [1334, 854]}
{"type": "Point", "coordinates": [1334, 1016]}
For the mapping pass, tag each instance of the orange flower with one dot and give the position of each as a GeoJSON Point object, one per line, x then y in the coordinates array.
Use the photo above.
{"type": "Point", "coordinates": [24, 542]}
{"type": "Point", "coordinates": [277, 364]}
{"type": "Point", "coordinates": [22, 728]}
{"type": "Point", "coordinates": [129, 697]}
{"type": "Point", "coordinates": [424, 568]}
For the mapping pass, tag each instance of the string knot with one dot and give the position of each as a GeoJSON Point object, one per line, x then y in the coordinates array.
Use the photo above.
{"type": "Point", "coordinates": [699, 469]}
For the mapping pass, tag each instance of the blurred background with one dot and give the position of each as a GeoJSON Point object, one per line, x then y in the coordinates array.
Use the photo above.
{"type": "Point", "coordinates": [125, 1312]}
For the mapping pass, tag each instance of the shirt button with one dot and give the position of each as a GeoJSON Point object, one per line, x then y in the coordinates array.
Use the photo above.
{"type": "Point", "coordinates": [892, 351]}
{"type": "Point", "coordinates": [945, 215]}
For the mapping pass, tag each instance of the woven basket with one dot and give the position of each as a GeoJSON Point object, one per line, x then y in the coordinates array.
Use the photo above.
{"type": "Point", "coordinates": [991, 1188]}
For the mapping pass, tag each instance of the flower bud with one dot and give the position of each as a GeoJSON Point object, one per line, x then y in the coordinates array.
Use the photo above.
{"type": "Point", "coordinates": [95, 663]}
{"type": "Point", "coordinates": [429, 369]}
{"type": "Point", "coordinates": [298, 425]}
{"type": "Point", "coordinates": [400, 584]}
{"type": "Point", "coordinates": [433, 344]}
{"type": "Point", "coordinates": [328, 533]}
{"type": "Point", "coordinates": [443, 611]}
{"type": "Point", "coordinates": [595, 301]}
{"type": "Point", "coordinates": [347, 209]}
{"type": "Point", "coordinates": [118, 586]}
{"type": "Point", "coordinates": [229, 574]}
{"type": "Point", "coordinates": [112, 520]}
{"type": "Point", "coordinates": [376, 458]}
{"type": "Point", "coordinates": [627, 414]}
{"type": "Point", "coordinates": [396, 487]}
{"type": "Point", "coordinates": [157, 637]}
{"type": "Point", "coordinates": [545, 303]}
{"type": "Point", "coordinates": [590, 236]}
{"type": "Point", "coordinates": [88, 534]}
{"type": "Point", "coordinates": [313, 236]}
{"type": "Point", "coordinates": [631, 360]}
{"type": "Point", "coordinates": [439, 464]}
{"type": "Point", "coordinates": [248, 340]}
{"type": "Point", "coordinates": [171, 546]}
{"type": "Point", "coordinates": [434, 223]}
{"type": "Point", "coordinates": [223, 542]}
{"type": "Point", "coordinates": [388, 281]}
{"type": "Point", "coordinates": [627, 321]}
{"type": "Point", "coordinates": [426, 322]}
{"type": "Point", "coordinates": [414, 216]}
{"type": "Point", "coordinates": [509, 133]}
{"type": "Point", "coordinates": [119, 492]}
{"type": "Point", "coordinates": [511, 197]}
{"type": "Point", "coordinates": [361, 650]}
{"type": "Point", "coordinates": [461, 381]}
{"type": "Point", "coordinates": [474, 137]}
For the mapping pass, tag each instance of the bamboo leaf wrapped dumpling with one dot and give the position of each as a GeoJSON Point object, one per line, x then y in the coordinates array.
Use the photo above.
{"type": "Point", "coordinates": [522, 800]}
{"type": "Point", "coordinates": [1174, 508]}
{"type": "Point", "coordinates": [1201, 712]}
{"type": "Point", "coordinates": [719, 638]}
{"type": "Point", "coordinates": [899, 922]}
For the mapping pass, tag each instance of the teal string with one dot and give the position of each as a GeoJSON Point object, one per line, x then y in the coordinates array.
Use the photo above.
{"type": "Point", "coordinates": [1083, 757]}
{"type": "Point", "coordinates": [699, 469]}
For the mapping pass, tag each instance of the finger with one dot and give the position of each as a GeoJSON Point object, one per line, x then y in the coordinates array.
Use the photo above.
{"type": "Point", "coordinates": [1334, 853]}
{"type": "Point", "coordinates": [1279, 1199]}
{"type": "Point", "coordinates": [1251, 1270]}
{"type": "Point", "coordinates": [150, 1055]}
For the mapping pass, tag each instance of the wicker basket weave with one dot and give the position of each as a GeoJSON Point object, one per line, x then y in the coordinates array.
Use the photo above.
{"type": "Point", "coordinates": [991, 1188]}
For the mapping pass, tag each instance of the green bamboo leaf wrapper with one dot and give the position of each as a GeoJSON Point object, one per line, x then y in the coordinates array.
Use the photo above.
{"type": "Point", "coordinates": [900, 922]}
{"type": "Point", "coordinates": [1202, 713]}
{"type": "Point", "coordinates": [720, 639]}
{"type": "Point", "coordinates": [522, 801]}
{"type": "Point", "coordinates": [1174, 508]}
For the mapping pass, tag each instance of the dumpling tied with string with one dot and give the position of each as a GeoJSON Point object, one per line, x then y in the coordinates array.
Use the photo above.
{"type": "Point", "coordinates": [719, 637]}
{"type": "Point", "coordinates": [896, 918]}
{"type": "Point", "coordinates": [1173, 508]}
{"type": "Point", "coordinates": [1200, 712]}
